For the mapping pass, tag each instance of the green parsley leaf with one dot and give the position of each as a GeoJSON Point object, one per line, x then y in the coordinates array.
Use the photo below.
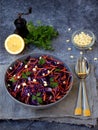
{"type": "Point", "coordinates": [24, 76]}
{"type": "Point", "coordinates": [57, 70]}
{"type": "Point", "coordinates": [41, 61]}
{"type": "Point", "coordinates": [28, 73]}
{"type": "Point", "coordinates": [53, 84]}
{"type": "Point", "coordinates": [51, 79]}
{"type": "Point", "coordinates": [39, 99]}
{"type": "Point", "coordinates": [13, 79]}
{"type": "Point", "coordinates": [38, 94]}
{"type": "Point", "coordinates": [33, 97]}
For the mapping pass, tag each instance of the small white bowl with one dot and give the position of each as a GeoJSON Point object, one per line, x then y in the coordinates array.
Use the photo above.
{"type": "Point", "coordinates": [87, 33]}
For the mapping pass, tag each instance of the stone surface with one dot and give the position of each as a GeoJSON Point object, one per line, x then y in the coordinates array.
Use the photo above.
{"type": "Point", "coordinates": [62, 14]}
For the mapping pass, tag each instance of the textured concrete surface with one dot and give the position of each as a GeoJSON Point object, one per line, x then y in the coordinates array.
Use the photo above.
{"type": "Point", "coordinates": [37, 125]}
{"type": "Point", "coordinates": [62, 14]}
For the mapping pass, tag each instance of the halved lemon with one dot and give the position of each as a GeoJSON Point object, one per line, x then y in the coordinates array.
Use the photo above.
{"type": "Point", "coordinates": [14, 44]}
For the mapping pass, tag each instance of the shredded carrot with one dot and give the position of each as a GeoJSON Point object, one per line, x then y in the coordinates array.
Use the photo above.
{"type": "Point", "coordinates": [37, 83]}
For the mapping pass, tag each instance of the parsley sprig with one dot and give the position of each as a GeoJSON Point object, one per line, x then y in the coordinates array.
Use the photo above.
{"type": "Point", "coordinates": [41, 61]}
{"type": "Point", "coordinates": [37, 97]}
{"type": "Point", "coordinates": [53, 84]}
{"type": "Point", "coordinates": [41, 35]}
{"type": "Point", "coordinates": [13, 79]}
{"type": "Point", "coordinates": [26, 74]}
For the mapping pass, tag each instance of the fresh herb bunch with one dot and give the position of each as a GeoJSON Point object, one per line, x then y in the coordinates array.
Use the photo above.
{"type": "Point", "coordinates": [41, 35]}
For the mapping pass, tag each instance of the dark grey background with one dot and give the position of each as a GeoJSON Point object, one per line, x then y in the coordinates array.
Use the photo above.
{"type": "Point", "coordinates": [62, 14]}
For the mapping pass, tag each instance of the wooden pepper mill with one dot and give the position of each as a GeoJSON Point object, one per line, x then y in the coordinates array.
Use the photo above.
{"type": "Point", "coordinates": [20, 24]}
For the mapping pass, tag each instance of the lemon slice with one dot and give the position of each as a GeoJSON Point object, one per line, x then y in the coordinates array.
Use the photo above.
{"type": "Point", "coordinates": [14, 44]}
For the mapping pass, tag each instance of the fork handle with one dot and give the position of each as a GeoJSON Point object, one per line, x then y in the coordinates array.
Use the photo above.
{"type": "Point", "coordinates": [78, 109]}
{"type": "Point", "coordinates": [86, 108]}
